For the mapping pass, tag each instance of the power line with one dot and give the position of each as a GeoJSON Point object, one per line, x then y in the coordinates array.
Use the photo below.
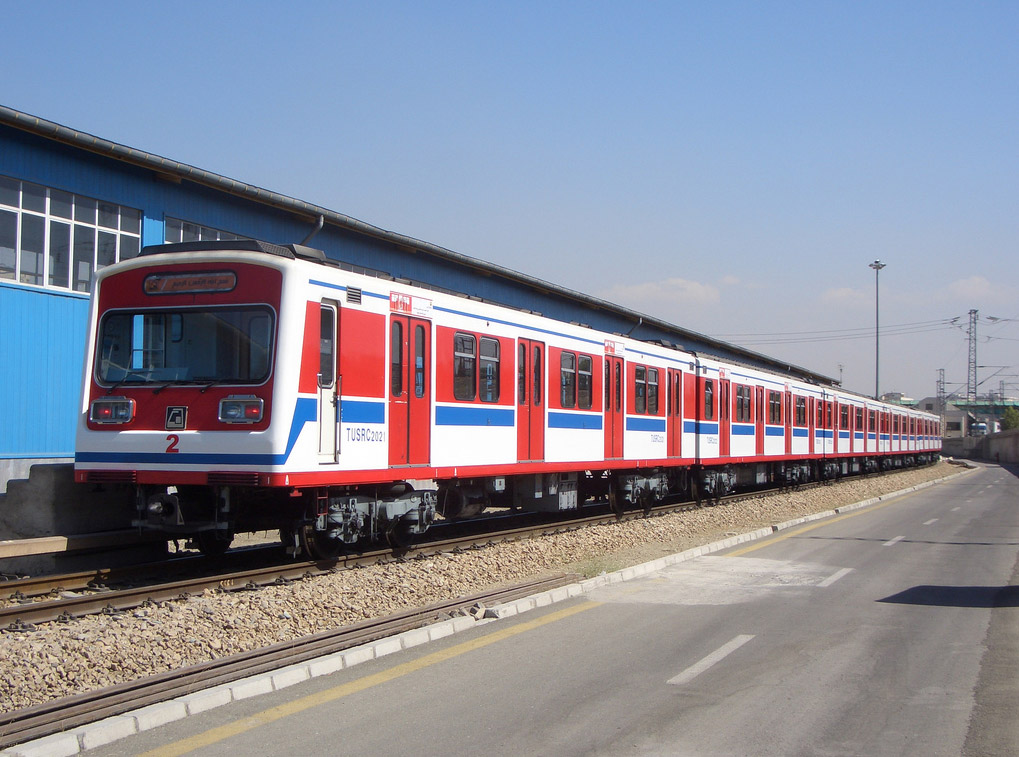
{"type": "Point", "coordinates": [821, 337]}
{"type": "Point", "coordinates": [941, 321]}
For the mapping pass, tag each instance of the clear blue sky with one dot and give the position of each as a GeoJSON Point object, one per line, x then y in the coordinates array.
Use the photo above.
{"type": "Point", "coordinates": [729, 166]}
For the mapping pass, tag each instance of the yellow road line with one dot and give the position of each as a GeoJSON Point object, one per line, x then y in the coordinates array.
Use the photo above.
{"type": "Point", "coordinates": [767, 542]}
{"type": "Point", "coordinates": [337, 692]}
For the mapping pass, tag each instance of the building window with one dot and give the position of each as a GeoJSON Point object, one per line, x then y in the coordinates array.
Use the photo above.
{"type": "Point", "coordinates": [49, 237]}
{"type": "Point", "coordinates": [176, 230]}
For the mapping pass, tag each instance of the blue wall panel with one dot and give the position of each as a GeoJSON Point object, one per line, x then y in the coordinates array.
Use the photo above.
{"type": "Point", "coordinates": [42, 350]}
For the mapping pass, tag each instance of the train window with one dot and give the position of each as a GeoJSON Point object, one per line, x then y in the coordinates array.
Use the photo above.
{"type": "Point", "coordinates": [396, 358]}
{"type": "Point", "coordinates": [652, 391]}
{"type": "Point", "coordinates": [709, 399]}
{"type": "Point", "coordinates": [522, 374]}
{"type": "Point", "coordinates": [774, 408]}
{"type": "Point", "coordinates": [743, 414]}
{"type": "Point", "coordinates": [872, 421]}
{"type": "Point", "coordinates": [464, 366]}
{"type": "Point", "coordinates": [640, 389]}
{"type": "Point", "coordinates": [489, 379]}
{"type": "Point", "coordinates": [843, 416]}
{"type": "Point", "coordinates": [668, 396]}
{"type": "Point", "coordinates": [801, 411]}
{"type": "Point", "coordinates": [608, 386]}
{"type": "Point", "coordinates": [327, 346]}
{"type": "Point", "coordinates": [679, 388]}
{"type": "Point", "coordinates": [619, 386]}
{"type": "Point", "coordinates": [859, 418]}
{"type": "Point", "coordinates": [723, 400]}
{"type": "Point", "coordinates": [568, 379]}
{"type": "Point", "coordinates": [223, 345]}
{"type": "Point", "coordinates": [585, 382]}
{"type": "Point", "coordinates": [536, 389]}
{"type": "Point", "coordinates": [419, 361]}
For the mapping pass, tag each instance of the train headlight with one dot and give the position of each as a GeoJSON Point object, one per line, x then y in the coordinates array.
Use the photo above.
{"type": "Point", "coordinates": [111, 410]}
{"type": "Point", "coordinates": [247, 409]}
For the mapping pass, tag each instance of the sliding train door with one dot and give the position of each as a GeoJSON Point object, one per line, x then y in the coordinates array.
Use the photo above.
{"type": "Point", "coordinates": [530, 400]}
{"type": "Point", "coordinates": [410, 391]}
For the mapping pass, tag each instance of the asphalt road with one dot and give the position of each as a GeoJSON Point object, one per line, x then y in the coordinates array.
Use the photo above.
{"type": "Point", "coordinates": [892, 630]}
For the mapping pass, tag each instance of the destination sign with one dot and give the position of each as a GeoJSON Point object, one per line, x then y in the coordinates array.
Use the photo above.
{"type": "Point", "coordinates": [190, 283]}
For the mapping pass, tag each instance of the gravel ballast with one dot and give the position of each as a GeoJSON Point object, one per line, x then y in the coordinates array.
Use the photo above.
{"type": "Point", "coordinates": [59, 659]}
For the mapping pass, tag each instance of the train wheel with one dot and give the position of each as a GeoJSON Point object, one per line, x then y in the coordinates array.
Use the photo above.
{"type": "Point", "coordinates": [647, 500]}
{"type": "Point", "coordinates": [399, 535]}
{"type": "Point", "coordinates": [616, 499]}
{"type": "Point", "coordinates": [318, 546]}
{"type": "Point", "coordinates": [213, 543]}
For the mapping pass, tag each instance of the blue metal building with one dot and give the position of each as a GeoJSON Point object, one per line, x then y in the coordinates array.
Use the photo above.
{"type": "Point", "coordinates": [71, 203]}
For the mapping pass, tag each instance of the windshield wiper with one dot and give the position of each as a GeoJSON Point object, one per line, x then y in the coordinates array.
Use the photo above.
{"type": "Point", "coordinates": [123, 381]}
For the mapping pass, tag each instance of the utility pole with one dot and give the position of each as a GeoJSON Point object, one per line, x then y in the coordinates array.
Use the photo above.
{"type": "Point", "coordinates": [971, 385]}
{"type": "Point", "coordinates": [941, 391]}
{"type": "Point", "coordinates": [877, 265]}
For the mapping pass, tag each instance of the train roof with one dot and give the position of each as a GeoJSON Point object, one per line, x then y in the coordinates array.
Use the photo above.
{"type": "Point", "coordinates": [176, 171]}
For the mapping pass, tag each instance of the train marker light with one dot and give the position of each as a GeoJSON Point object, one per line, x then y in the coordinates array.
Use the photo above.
{"type": "Point", "coordinates": [111, 410]}
{"type": "Point", "coordinates": [246, 409]}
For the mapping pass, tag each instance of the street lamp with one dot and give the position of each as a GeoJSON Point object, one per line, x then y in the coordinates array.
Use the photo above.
{"type": "Point", "coordinates": [877, 265]}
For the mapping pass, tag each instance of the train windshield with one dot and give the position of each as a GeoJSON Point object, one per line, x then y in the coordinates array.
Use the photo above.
{"type": "Point", "coordinates": [183, 346]}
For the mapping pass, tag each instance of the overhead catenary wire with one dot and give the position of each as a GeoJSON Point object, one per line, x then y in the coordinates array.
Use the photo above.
{"type": "Point", "coordinates": [841, 335]}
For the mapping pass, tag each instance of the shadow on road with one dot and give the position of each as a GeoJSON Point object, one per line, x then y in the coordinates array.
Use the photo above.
{"type": "Point", "coordinates": [957, 596]}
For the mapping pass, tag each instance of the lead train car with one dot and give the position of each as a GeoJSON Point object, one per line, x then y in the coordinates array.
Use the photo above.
{"type": "Point", "coordinates": [245, 386]}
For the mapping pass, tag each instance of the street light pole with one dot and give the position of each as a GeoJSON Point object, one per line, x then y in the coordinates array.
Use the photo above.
{"type": "Point", "coordinates": [877, 265]}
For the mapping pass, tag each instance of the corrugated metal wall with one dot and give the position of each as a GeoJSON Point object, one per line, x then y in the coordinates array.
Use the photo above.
{"type": "Point", "coordinates": [42, 349]}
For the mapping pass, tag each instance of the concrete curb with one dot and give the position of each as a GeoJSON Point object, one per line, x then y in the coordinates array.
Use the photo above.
{"type": "Point", "coordinates": [111, 729]}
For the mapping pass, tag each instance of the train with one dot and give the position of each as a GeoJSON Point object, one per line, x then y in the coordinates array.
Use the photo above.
{"type": "Point", "coordinates": [246, 386]}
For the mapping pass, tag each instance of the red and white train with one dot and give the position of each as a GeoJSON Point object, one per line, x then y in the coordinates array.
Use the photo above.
{"type": "Point", "coordinates": [245, 386]}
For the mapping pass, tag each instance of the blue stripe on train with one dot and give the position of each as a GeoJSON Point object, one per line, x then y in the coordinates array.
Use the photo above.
{"type": "Point", "coordinates": [473, 415]}
{"type": "Point", "coordinates": [574, 420]}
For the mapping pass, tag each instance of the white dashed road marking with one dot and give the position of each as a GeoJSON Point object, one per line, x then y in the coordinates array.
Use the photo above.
{"type": "Point", "coordinates": [717, 656]}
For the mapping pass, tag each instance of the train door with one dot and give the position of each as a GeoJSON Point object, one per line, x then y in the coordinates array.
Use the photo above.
{"type": "Point", "coordinates": [759, 420]}
{"type": "Point", "coordinates": [615, 414]}
{"type": "Point", "coordinates": [812, 426]}
{"type": "Point", "coordinates": [410, 392]}
{"type": "Point", "coordinates": [788, 415]}
{"type": "Point", "coordinates": [530, 400]}
{"type": "Point", "coordinates": [724, 418]}
{"type": "Point", "coordinates": [675, 412]}
{"type": "Point", "coordinates": [328, 383]}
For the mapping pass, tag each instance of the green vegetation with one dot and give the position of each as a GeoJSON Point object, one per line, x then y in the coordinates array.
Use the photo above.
{"type": "Point", "coordinates": [1010, 419]}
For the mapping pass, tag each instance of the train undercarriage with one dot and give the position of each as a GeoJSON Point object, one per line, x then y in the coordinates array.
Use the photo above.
{"type": "Point", "coordinates": [323, 522]}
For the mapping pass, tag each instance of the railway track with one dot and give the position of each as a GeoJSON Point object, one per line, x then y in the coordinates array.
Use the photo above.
{"type": "Point", "coordinates": [70, 712]}
{"type": "Point", "coordinates": [102, 599]}
{"type": "Point", "coordinates": [56, 598]}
